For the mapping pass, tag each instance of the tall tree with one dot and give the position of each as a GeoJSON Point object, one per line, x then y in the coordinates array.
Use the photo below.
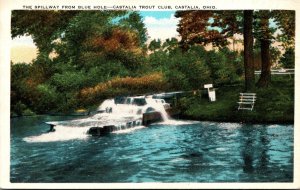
{"type": "Point", "coordinates": [248, 50]}
{"type": "Point", "coordinates": [283, 31]}
{"type": "Point", "coordinates": [42, 26]}
{"type": "Point", "coordinates": [264, 36]}
{"type": "Point", "coordinates": [285, 21]}
{"type": "Point", "coordinates": [216, 27]}
{"type": "Point", "coordinates": [203, 27]}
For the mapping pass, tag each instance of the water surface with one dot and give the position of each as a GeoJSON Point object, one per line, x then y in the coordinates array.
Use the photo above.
{"type": "Point", "coordinates": [176, 152]}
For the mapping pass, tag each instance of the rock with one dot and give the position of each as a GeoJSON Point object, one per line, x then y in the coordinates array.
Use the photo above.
{"type": "Point", "coordinates": [51, 128]}
{"type": "Point", "coordinates": [94, 131]}
{"type": "Point", "coordinates": [151, 117]}
{"type": "Point", "coordinates": [107, 129]}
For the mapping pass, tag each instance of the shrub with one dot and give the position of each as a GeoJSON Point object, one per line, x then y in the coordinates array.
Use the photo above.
{"type": "Point", "coordinates": [187, 71]}
{"type": "Point", "coordinates": [122, 86]}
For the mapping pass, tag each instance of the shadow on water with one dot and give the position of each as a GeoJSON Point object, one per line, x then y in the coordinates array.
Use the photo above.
{"type": "Point", "coordinates": [254, 149]}
{"type": "Point", "coordinates": [255, 152]}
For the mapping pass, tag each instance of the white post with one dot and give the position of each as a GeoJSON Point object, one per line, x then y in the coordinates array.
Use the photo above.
{"type": "Point", "coordinates": [211, 92]}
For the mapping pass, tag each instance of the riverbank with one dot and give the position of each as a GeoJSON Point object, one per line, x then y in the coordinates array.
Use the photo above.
{"type": "Point", "coordinates": [274, 104]}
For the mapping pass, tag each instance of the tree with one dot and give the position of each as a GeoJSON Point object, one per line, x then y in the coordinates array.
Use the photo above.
{"type": "Point", "coordinates": [134, 22]}
{"type": "Point", "coordinates": [193, 29]}
{"type": "Point", "coordinates": [265, 37]}
{"type": "Point", "coordinates": [204, 27]}
{"type": "Point", "coordinates": [216, 27]}
{"type": "Point", "coordinates": [94, 37]}
{"type": "Point", "coordinates": [154, 45]}
{"type": "Point", "coordinates": [248, 50]}
{"type": "Point", "coordinates": [288, 58]}
{"type": "Point", "coordinates": [170, 44]}
{"type": "Point", "coordinates": [285, 21]}
{"type": "Point", "coordinates": [285, 27]}
{"type": "Point", "coordinates": [42, 26]}
{"type": "Point", "coordinates": [90, 47]}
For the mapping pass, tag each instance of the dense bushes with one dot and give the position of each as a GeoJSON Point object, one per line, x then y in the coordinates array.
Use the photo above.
{"type": "Point", "coordinates": [186, 71]}
{"type": "Point", "coordinates": [195, 67]}
{"type": "Point", "coordinates": [56, 86]}
{"type": "Point", "coordinates": [123, 86]}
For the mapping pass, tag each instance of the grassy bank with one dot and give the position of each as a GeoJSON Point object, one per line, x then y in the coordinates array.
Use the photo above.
{"type": "Point", "coordinates": [274, 104]}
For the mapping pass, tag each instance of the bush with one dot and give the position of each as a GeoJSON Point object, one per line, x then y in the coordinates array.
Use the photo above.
{"type": "Point", "coordinates": [191, 69]}
{"type": "Point", "coordinates": [187, 71]}
{"type": "Point", "coordinates": [123, 86]}
{"type": "Point", "coordinates": [47, 99]}
{"type": "Point", "coordinates": [222, 67]}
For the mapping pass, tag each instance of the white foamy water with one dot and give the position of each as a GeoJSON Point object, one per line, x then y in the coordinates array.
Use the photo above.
{"type": "Point", "coordinates": [61, 133]}
{"type": "Point", "coordinates": [111, 114]}
{"type": "Point", "coordinates": [128, 130]}
{"type": "Point", "coordinates": [230, 125]}
{"type": "Point", "coordinates": [177, 122]}
{"type": "Point", "coordinates": [160, 108]}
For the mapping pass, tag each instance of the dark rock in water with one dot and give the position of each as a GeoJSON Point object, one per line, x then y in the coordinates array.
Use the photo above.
{"type": "Point", "coordinates": [51, 128]}
{"type": "Point", "coordinates": [100, 131]}
{"type": "Point", "coordinates": [107, 129]}
{"type": "Point", "coordinates": [94, 131]}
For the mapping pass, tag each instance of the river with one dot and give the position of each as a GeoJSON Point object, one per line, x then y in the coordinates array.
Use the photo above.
{"type": "Point", "coordinates": [178, 152]}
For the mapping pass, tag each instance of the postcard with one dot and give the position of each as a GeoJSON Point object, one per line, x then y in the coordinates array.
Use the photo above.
{"type": "Point", "coordinates": [149, 94]}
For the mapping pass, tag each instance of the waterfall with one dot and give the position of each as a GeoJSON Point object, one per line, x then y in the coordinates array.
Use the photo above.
{"type": "Point", "coordinates": [125, 116]}
{"type": "Point", "coordinates": [158, 107]}
{"type": "Point", "coordinates": [129, 108]}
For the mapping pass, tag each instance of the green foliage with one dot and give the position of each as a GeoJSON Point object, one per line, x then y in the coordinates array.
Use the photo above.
{"type": "Point", "coordinates": [134, 22]}
{"type": "Point", "coordinates": [68, 81]}
{"type": "Point", "coordinates": [154, 45]}
{"type": "Point", "coordinates": [105, 71]}
{"type": "Point", "coordinates": [89, 47]}
{"type": "Point", "coordinates": [170, 44]}
{"type": "Point", "coordinates": [47, 98]}
{"type": "Point", "coordinates": [102, 54]}
{"type": "Point", "coordinates": [285, 20]}
{"type": "Point", "coordinates": [42, 26]}
{"type": "Point", "coordinates": [158, 60]}
{"type": "Point", "coordinates": [223, 71]}
{"type": "Point", "coordinates": [18, 108]}
{"type": "Point", "coordinates": [288, 58]}
{"type": "Point", "coordinates": [192, 71]}
{"type": "Point", "coordinates": [274, 104]}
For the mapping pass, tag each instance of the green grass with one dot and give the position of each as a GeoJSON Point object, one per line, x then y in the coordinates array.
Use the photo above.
{"type": "Point", "coordinates": [274, 104]}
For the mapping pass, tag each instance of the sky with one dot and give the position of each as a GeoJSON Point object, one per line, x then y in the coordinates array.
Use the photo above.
{"type": "Point", "coordinates": [159, 24]}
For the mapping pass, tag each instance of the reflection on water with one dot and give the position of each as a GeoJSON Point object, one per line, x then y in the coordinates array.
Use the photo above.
{"type": "Point", "coordinates": [184, 152]}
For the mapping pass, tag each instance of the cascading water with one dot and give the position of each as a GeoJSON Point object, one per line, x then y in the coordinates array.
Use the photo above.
{"type": "Point", "coordinates": [126, 116]}
{"type": "Point", "coordinates": [158, 107]}
{"type": "Point", "coordinates": [129, 108]}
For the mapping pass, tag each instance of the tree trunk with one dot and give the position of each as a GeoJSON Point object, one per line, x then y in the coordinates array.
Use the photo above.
{"type": "Point", "coordinates": [248, 51]}
{"type": "Point", "coordinates": [265, 76]}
